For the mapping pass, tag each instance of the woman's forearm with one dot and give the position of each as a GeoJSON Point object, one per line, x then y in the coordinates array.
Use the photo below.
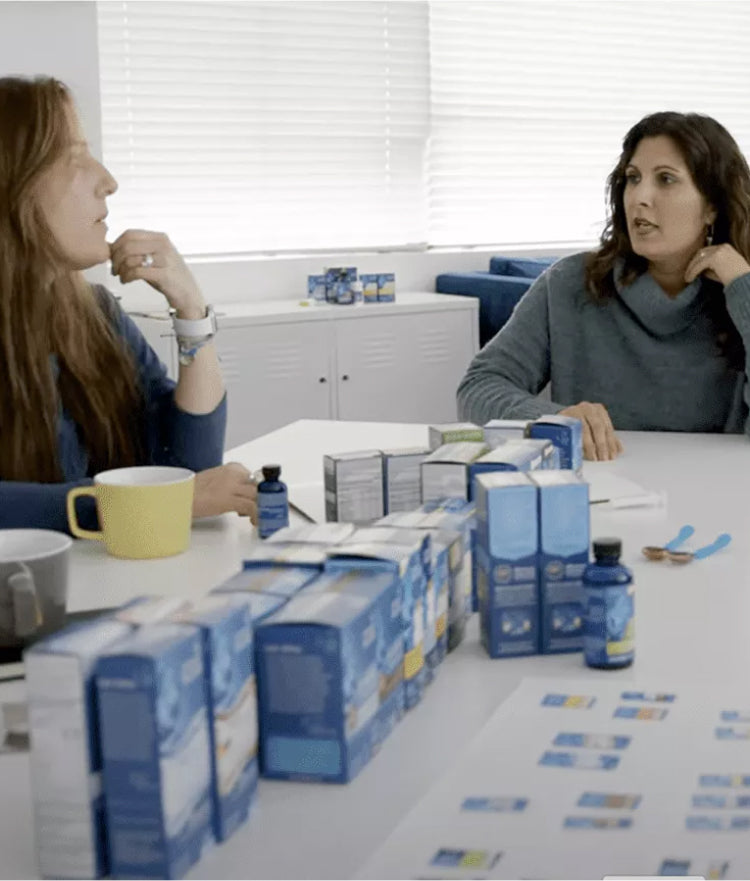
{"type": "Point", "coordinates": [200, 386]}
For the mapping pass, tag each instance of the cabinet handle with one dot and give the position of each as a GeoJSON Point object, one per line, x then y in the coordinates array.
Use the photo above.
{"type": "Point", "coordinates": [322, 379]}
{"type": "Point", "coordinates": [345, 377]}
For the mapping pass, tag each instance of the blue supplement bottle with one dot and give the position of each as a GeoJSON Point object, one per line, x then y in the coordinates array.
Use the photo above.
{"type": "Point", "coordinates": [273, 505]}
{"type": "Point", "coordinates": [609, 608]}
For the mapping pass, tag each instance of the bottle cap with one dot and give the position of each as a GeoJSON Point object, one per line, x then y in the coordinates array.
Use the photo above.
{"type": "Point", "coordinates": [271, 472]}
{"type": "Point", "coordinates": [607, 547]}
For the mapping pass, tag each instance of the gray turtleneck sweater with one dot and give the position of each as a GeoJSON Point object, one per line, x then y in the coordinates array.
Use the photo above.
{"type": "Point", "coordinates": [653, 361]}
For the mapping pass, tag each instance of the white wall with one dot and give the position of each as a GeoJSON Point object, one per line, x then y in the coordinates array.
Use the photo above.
{"type": "Point", "coordinates": [60, 39]}
{"type": "Point", "coordinates": [56, 39]}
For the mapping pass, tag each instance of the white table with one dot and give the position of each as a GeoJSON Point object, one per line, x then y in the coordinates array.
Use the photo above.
{"type": "Point", "coordinates": [691, 626]}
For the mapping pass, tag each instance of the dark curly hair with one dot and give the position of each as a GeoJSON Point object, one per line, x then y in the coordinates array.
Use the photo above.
{"type": "Point", "coordinates": [720, 173]}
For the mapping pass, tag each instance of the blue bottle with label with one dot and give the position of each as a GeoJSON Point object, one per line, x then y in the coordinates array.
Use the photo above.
{"type": "Point", "coordinates": [273, 504]}
{"type": "Point", "coordinates": [609, 608]}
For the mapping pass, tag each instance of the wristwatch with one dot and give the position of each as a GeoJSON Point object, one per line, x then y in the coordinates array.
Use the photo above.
{"type": "Point", "coordinates": [197, 328]}
{"type": "Point", "coordinates": [192, 335]}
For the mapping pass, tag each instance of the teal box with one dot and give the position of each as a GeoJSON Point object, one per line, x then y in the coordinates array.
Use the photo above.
{"type": "Point", "coordinates": [154, 729]}
{"type": "Point", "coordinates": [566, 433]}
{"type": "Point", "coordinates": [274, 578]}
{"type": "Point", "coordinates": [386, 287]}
{"type": "Point", "coordinates": [318, 687]}
{"type": "Point", "coordinates": [563, 499]}
{"type": "Point", "coordinates": [226, 635]}
{"type": "Point", "coordinates": [435, 564]}
{"type": "Point", "coordinates": [383, 590]}
{"type": "Point", "coordinates": [407, 563]}
{"type": "Point", "coordinates": [506, 546]}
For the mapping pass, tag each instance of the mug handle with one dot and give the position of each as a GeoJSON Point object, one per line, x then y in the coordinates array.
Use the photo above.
{"type": "Point", "coordinates": [27, 615]}
{"type": "Point", "coordinates": [75, 528]}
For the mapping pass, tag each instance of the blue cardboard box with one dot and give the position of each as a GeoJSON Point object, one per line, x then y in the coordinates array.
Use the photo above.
{"type": "Point", "coordinates": [259, 605]}
{"type": "Point", "coordinates": [564, 517]}
{"type": "Point", "coordinates": [384, 591]}
{"type": "Point", "coordinates": [155, 747]}
{"type": "Point", "coordinates": [312, 533]}
{"type": "Point", "coordinates": [566, 433]}
{"type": "Point", "coordinates": [318, 687]}
{"type": "Point", "coordinates": [459, 515]}
{"type": "Point", "coordinates": [226, 633]}
{"type": "Point", "coordinates": [447, 471]}
{"type": "Point", "coordinates": [272, 576]}
{"type": "Point", "coordinates": [386, 287]}
{"type": "Point", "coordinates": [406, 562]}
{"type": "Point", "coordinates": [435, 564]}
{"type": "Point", "coordinates": [65, 757]}
{"type": "Point", "coordinates": [449, 544]}
{"type": "Point", "coordinates": [507, 540]}
{"type": "Point", "coordinates": [522, 455]}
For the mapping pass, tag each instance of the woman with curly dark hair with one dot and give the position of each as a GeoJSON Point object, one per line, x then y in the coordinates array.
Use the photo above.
{"type": "Point", "coordinates": [651, 330]}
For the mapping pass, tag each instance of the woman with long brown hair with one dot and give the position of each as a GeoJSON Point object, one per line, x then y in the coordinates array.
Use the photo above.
{"type": "Point", "coordinates": [80, 389]}
{"type": "Point", "coordinates": [652, 330]}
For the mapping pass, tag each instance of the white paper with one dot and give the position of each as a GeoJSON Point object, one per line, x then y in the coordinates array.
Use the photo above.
{"type": "Point", "coordinates": [604, 485]}
{"type": "Point", "coordinates": [658, 770]}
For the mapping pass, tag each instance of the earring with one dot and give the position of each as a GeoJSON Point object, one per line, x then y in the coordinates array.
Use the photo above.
{"type": "Point", "coordinates": [709, 234]}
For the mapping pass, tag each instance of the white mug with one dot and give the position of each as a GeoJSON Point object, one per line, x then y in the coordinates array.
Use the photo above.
{"type": "Point", "coordinates": [33, 583]}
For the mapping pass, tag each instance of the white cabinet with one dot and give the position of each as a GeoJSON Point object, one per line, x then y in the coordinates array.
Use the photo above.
{"type": "Point", "coordinates": [403, 368]}
{"type": "Point", "coordinates": [384, 362]}
{"type": "Point", "coordinates": [272, 370]}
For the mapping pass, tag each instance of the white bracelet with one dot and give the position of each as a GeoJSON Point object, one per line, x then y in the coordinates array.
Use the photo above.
{"type": "Point", "coordinates": [201, 328]}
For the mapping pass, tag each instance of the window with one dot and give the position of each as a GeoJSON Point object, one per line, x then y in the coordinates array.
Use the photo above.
{"type": "Point", "coordinates": [267, 126]}
{"type": "Point", "coordinates": [281, 126]}
{"type": "Point", "coordinates": [531, 101]}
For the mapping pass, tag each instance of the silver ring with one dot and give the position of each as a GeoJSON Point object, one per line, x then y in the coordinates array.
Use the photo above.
{"type": "Point", "coordinates": [148, 260]}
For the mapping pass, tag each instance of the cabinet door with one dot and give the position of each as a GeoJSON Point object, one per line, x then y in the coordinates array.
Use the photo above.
{"type": "Point", "coordinates": [402, 368]}
{"type": "Point", "coordinates": [274, 374]}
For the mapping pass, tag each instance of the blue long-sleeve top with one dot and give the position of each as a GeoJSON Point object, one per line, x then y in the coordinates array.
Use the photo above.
{"type": "Point", "coordinates": [172, 437]}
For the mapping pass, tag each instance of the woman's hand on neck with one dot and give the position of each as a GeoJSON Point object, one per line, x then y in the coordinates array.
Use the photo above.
{"type": "Point", "coordinates": [669, 273]}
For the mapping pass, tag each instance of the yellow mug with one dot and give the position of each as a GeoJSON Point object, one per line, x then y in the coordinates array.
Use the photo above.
{"type": "Point", "coordinates": [144, 512]}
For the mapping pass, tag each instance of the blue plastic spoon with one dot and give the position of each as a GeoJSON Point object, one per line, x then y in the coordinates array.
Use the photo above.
{"type": "Point", "coordinates": [682, 536]}
{"type": "Point", "coordinates": [721, 542]}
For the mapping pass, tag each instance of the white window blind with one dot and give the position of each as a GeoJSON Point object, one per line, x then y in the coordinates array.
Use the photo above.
{"type": "Point", "coordinates": [267, 126]}
{"type": "Point", "coordinates": [531, 100]}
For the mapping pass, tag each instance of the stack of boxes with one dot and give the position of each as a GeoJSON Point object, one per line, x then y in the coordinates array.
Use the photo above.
{"type": "Point", "coordinates": [343, 628]}
{"type": "Point", "coordinates": [340, 285]}
{"type": "Point", "coordinates": [531, 548]}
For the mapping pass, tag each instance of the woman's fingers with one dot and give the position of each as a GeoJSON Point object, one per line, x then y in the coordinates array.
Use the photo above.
{"type": "Point", "coordinates": [600, 443]}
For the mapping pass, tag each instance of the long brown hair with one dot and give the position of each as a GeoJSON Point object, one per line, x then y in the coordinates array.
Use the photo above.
{"type": "Point", "coordinates": [49, 310]}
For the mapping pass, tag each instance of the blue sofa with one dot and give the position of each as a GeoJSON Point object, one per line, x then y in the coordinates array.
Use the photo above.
{"type": "Point", "coordinates": [498, 290]}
